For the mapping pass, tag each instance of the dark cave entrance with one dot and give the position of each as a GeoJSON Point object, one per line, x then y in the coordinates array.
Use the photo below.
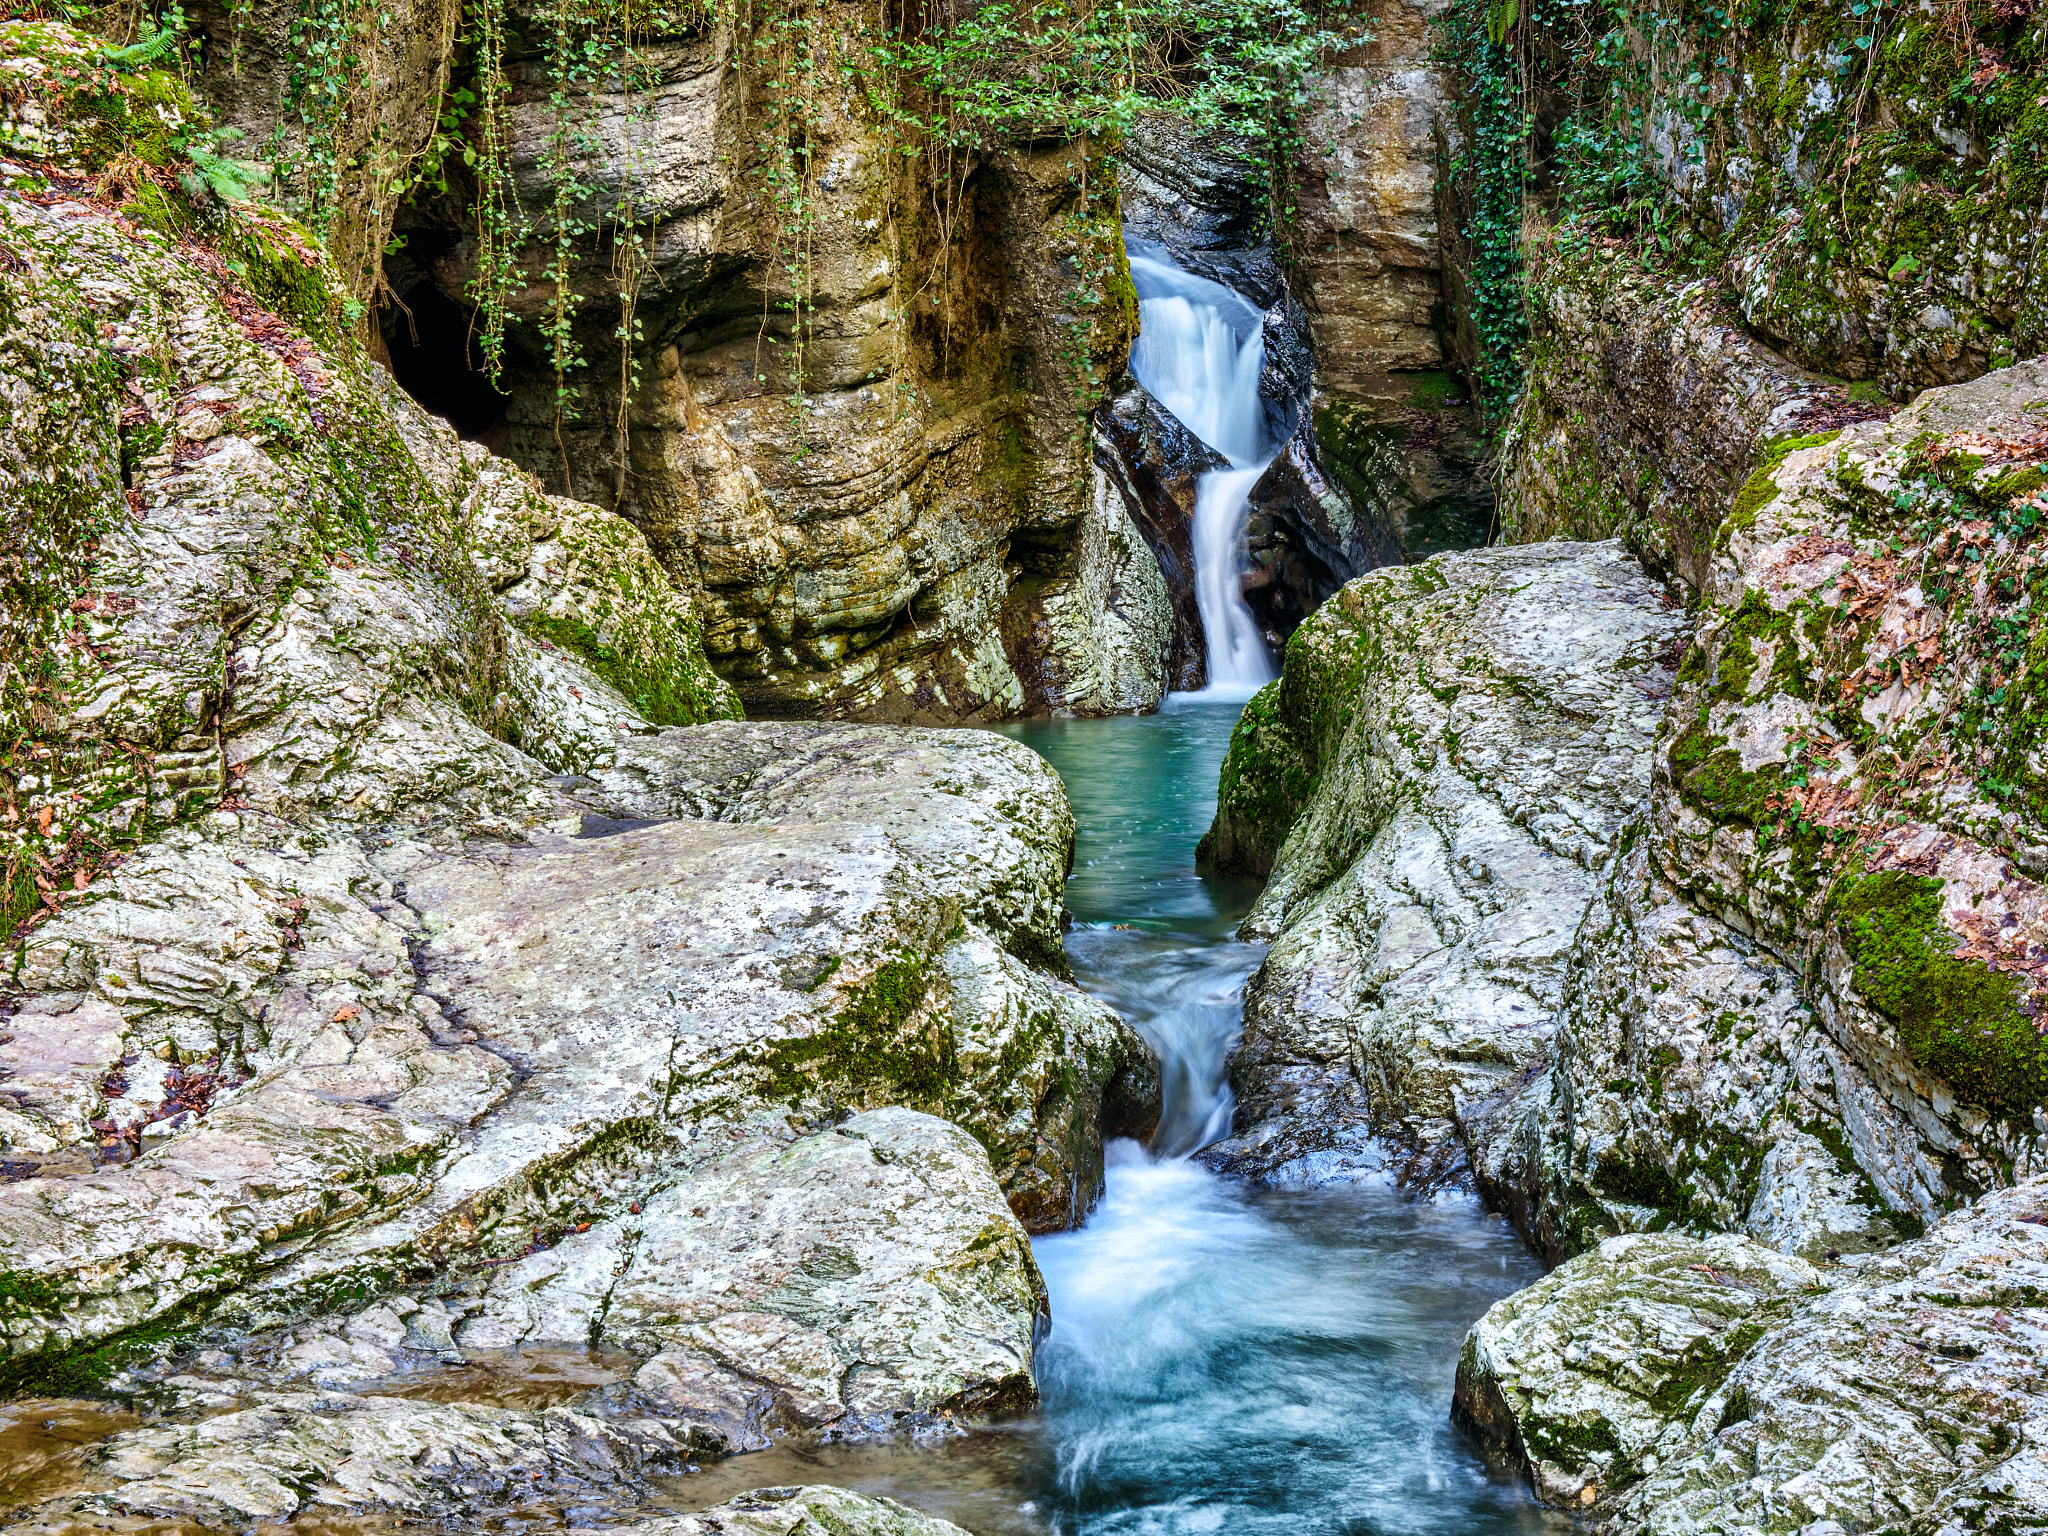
{"type": "Point", "coordinates": [437, 361]}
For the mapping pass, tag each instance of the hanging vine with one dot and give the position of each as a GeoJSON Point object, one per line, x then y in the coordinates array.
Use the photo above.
{"type": "Point", "coordinates": [949, 86]}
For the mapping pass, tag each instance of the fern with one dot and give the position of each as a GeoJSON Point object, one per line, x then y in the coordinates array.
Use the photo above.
{"type": "Point", "coordinates": [140, 55]}
{"type": "Point", "coordinates": [232, 181]}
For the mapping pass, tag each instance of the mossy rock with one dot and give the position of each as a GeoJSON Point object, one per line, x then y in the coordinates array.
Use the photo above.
{"type": "Point", "coordinates": [1958, 1018]}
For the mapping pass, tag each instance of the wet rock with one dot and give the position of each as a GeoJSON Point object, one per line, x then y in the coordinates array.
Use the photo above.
{"type": "Point", "coordinates": [328, 1454]}
{"type": "Point", "coordinates": [1154, 463]}
{"type": "Point", "coordinates": [1436, 781]}
{"type": "Point", "coordinates": [785, 1511]}
{"type": "Point", "coordinates": [1594, 1375]}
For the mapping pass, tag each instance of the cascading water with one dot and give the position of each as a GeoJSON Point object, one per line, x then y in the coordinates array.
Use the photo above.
{"type": "Point", "coordinates": [1222, 1358]}
{"type": "Point", "coordinates": [1201, 348]}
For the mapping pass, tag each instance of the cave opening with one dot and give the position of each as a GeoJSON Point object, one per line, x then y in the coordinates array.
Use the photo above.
{"type": "Point", "coordinates": [437, 360]}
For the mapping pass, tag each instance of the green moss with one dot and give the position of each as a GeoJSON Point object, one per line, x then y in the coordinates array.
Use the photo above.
{"type": "Point", "coordinates": [1712, 780]}
{"type": "Point", "coordinates": [2019, 481]}
{"type": "Point", "coordinates": [1697, 1376]}
{"type": "Point", "coordinates": [1756, 623]}
{"type": "Point", "coordinates": [876, 1046]}
{"type": "Point", "coordinates": [1637, 1179]}
{"type": "Point", "coordinates": [656, 686]}
{"type": "Point", "coordinates": [1958, 1018]}
{"type": "Point", "coordinates": [1267, 778]}
{"type": "Point", "coordinates": [1433, 389]}
{"type": "Point", "coordinates": [1760, 488]}
{"type": "Point", "coordinates": [1568, 1442]}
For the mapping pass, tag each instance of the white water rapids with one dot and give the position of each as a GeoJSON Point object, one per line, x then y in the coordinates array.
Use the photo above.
{"type": "Point", "coordinates": [1200, 350]}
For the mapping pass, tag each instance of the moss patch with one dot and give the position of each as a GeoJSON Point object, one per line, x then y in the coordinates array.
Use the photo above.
{"type": "Point", "coordinates": [663, 693]}
{"type": "Point", "coordinates": [882, 1046]}
{"type": "Point", "coordinates": [1959, 1019]}
{"type": "Point", "coordinates": [1760, 488]}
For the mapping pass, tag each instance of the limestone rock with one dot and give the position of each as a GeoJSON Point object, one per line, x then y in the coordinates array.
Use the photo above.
{"type": "Point", "coordinates": [1693, 1086]}
{"type": "Point", "coordinates": [1850, 774]}
{"type": "Point", "coordinates": [1593, 1376]}
{"type": "Point", "coordinates": [329, 1454]}
{"type": "Point", "coordinates": [1908, 1395]}
{"type": "Point", "coordinates": [798, 1512]}
{"type": "Point", "coordinates": [1682, 1387]}
{"type": "Point", "coordinates": [436, 944]}
{"type": "Point", "coordinates": [1646, 407]}
{"type": "Point", "coordinates": [1437, 778]}
{"type": "Point", "coordinates": [878, 519]}
{"type": "Point", "coordinates": [871, 1269]}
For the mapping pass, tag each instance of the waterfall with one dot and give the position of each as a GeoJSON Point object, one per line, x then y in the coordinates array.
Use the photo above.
{"type": "Point", "coordinates": [1200, 351]}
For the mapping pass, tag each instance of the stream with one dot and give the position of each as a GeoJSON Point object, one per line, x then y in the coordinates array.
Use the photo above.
{"type": "Point", "coordinates": [1223, 1357]}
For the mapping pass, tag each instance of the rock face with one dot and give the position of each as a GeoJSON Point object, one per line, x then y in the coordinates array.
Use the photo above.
{"type": "Point", "coordinates": [1394, 430]}
{"type": "Point", "coordinates": [1911, 269]}
{"type": "Point", "coordinates": [1847, 778]}
{"type": "Point", "coordinates": [1794, 996]}
{"type": "Point", "coordinates": [403, 977]}
{"type": "Point", "coordinates": [859, 440]}
{"type": "Point", "coordinates": [1677, 1385]}
{"type": "Point", "coordinates": [1783, 983]}
{"type": "Point", "coordinates": [1435, 785]}
{"type": "Point", "coordinates": [1645, 407]}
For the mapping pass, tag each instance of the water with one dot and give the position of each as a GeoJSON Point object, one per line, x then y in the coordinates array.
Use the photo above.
{"type": "Point", "coordinates": [1224, 1358]}
{"type": "Point", "coordinates": [1199, 353]}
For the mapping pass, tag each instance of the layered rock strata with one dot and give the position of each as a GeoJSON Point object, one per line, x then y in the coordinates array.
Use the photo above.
{"type": "Point", "coordinates": [853, 426]}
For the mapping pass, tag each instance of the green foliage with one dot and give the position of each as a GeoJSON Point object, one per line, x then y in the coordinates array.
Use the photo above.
{"type": "Point", "coordinates": [148, 51]}
{"type": "Point", "coordinates": [1493, 165]}
{"type": "Point", "coordinates": [1958, 1018]}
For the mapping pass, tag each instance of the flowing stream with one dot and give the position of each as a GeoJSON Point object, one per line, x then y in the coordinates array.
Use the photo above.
{"type": "Point", "coordinates": [1223, 1358]}
{"type": "Point", "coordinates": [1200, 351]}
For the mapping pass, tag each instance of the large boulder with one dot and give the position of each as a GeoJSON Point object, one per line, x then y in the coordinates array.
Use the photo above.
{"type": "Point", "coordinates": [1593, 1376]}
{"type": "Point", "coordinates": [1808, 1011]}
{"type": "Point", "coordinates": [1435, 785]}
{"type": "Point", "coordinates": [391, 929]}
{"type": "Point", "coordinates": [1682, 1387]}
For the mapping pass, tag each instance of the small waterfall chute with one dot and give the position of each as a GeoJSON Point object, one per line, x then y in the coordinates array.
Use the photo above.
{"type": "Point", "coordinates": [1201, 348]}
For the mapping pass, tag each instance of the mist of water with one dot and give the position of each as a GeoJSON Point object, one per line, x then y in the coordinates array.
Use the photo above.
{"type": "Point", "coordinates": [1201, 348]}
